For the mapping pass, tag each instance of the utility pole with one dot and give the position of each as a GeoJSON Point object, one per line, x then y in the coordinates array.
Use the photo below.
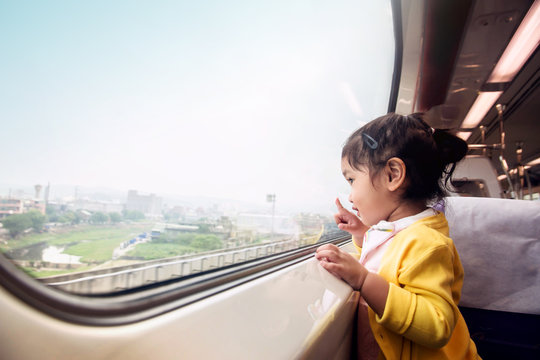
{"type": "Point", "coordinates": [272, 198]}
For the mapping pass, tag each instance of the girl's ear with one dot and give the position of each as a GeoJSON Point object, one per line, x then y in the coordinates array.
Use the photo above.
{"type": "Point", "coordinates": [395, 171]}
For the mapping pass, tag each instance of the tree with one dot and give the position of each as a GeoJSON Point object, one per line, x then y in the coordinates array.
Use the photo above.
{"type": "Point", "coordinates": [16, 224]}
{"type": "Point", "coordinates": [203, 228]}
{"type": "Point", "coordinates": [37, 219]}
{"type": "Point", "coordinates": [206, 242]}
{"type": "Point", "coordinates": [99, 217]}
{"type": "Point", "coordinates": [115, 217]}
{"type": "Point", "coordinates": [73, 217]}
{"type": "Point", "coordinates": [52, 214]}
{"type": "Point", "coordinates": [133, 215]}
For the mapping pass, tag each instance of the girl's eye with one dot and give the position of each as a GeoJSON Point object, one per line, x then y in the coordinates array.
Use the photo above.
{"type": "Point", "coordinates": [350, 180]}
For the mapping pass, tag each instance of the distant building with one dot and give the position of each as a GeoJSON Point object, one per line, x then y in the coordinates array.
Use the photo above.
{"type": "Point", "coordinates": [177, 213]}
{"type": "Point", "coordinates": [148, 204]}
{"type": "Point", "coordinates": [266, 223]}
{"type": "Point", "coordinates": [11, 206]}
{"type": "Point", "coordinates": [165, 227]}
{"type": "Point", "coordinates": [94, 206]}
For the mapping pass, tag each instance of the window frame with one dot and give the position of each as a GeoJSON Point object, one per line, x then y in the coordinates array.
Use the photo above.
{"type": "Point", "coordinates": [148, 301]}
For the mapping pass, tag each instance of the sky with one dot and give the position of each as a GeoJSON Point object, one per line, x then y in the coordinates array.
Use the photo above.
{"type": "Point", "coordinates": [227, 99]}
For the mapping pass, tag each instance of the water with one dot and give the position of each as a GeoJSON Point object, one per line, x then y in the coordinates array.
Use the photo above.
{"type": "Point", "coordinates": [55, 255]}
{"type": "Point", "coordinates": [42, 251]}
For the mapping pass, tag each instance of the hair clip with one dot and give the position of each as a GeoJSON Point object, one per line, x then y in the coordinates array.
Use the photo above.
{"type": "Point", "coordinates": [371, 142]}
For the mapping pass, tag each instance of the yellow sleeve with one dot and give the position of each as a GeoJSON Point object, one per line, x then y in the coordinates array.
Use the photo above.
{"type": "Point", "coordinates": [358, 250]}
{"type": "Point", "coordinates": [422, 308]}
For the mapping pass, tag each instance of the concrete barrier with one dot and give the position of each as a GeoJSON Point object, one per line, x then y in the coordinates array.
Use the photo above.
{"type": "Point", "coordinates": [127, 277]}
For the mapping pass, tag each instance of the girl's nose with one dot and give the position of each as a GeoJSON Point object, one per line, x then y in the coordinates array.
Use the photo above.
{"type": "Point", "coordinates": [350, 198]}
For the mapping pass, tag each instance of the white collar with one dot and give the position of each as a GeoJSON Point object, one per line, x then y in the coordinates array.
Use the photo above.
{"type": "Point", "coordinates": [402, 223]}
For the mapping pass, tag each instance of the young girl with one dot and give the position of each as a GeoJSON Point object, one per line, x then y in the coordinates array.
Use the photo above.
{"type": "Point", "coordinates": [409, 274]}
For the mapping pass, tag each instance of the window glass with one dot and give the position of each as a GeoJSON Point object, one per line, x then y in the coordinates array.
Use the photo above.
{"type": "Point", "coordinates": [200, 132]}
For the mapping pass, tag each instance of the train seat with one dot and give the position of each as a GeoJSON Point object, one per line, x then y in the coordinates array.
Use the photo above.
{"type": "Point", "coordinates": [499, 245]}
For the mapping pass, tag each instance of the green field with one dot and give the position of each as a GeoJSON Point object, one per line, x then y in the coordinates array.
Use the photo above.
{"type": "Point", "coordinates": [170, 244]}
{"type": "Point", "coordinates": [95, 244]}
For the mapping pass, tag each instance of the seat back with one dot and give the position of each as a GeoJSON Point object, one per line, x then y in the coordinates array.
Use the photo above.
{"type": "Point", "coordinates": [498, 241]}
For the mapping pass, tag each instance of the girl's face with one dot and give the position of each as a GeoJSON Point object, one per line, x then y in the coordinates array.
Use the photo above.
{"type": "Point", "coordinates": [370, 197]}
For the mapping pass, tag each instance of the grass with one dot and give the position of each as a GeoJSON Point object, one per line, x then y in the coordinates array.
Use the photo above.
{"type": "Point", "coordinates": [97, 246]}
{"type": "Point", "coordinates": [171, 244]}
{"type": "Point", "coordinates": [93, 243]}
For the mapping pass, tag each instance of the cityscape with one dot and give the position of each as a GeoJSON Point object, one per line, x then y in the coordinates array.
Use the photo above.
{"type": "Point", "coordinates": [49, 236]}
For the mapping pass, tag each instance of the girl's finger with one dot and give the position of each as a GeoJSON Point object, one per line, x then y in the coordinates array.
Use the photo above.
{"type": "Point", "coordinates": [338, 204]}
{"type": "Point", "coordinates": [344, 226]}
{"type": "Point", "coordinates": [331, 268]}
{"type": "Point", "coordinates": [328, 256]}
{"type": "Point", "coordinates": [331, 247]}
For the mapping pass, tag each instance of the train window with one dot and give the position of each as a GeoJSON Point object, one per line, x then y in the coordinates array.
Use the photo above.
{"type": "Point", "coordinates": [149, 142]}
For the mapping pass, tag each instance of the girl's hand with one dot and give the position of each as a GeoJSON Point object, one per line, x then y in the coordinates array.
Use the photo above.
{"type": "Point", "coordinates": [342, 264]}
{"type": "Point", "coordinates": [347, 221]}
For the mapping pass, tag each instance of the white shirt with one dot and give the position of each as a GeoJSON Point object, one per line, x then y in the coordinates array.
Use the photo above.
{"type": "Point", "coordinates": [379, 237]}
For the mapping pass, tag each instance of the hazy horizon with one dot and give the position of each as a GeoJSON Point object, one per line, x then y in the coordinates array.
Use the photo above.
{"type": "Point", "coordinates": [66, 192]}
{"type": "Point", "coordinates": [230, 100]}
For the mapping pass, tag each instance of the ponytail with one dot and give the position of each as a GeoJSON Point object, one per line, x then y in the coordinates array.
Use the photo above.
{"type": "Point", "coordinates": [451, 149]}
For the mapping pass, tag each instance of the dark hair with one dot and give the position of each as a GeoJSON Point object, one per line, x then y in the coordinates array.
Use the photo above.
{"type": "Point", "coordinates": [430, 156]}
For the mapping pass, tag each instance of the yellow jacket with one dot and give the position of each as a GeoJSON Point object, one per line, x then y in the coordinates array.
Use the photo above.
{"type": "Point", "coordinates": [421, 319]}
